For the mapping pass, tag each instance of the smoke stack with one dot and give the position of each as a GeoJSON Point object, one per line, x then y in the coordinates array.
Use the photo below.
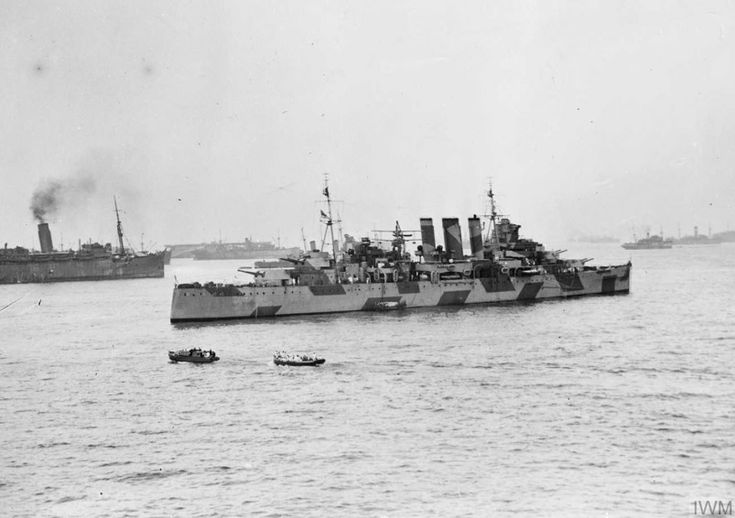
{"type": "Point", "coordinates": [475, 237]}
{"type": "Point", "coordinates": [428, 243]}
{"type": "Point", "coordinates": [312, 244]}
{"type": "Point", "coordinates": [452, 238]}
{"type": "Point", "coordinates": [44, 236]}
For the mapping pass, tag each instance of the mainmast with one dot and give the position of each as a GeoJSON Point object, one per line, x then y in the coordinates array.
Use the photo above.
{"type": "Point", "coordinates": [399, 240]}
{"type": "Point", "coordinates": [329, 221]}
{"type": "Point", "coordinates": [119, 228]}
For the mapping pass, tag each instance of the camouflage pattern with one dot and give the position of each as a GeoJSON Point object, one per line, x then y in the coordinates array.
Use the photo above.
{"type": "Point", "coordinates": [197, 303]}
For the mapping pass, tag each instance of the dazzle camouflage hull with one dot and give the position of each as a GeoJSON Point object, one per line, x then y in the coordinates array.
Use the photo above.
{"type": "Point", "coordinates": [213, 302]}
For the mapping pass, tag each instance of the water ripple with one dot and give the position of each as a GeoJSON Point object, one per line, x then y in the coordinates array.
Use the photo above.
{"type": "Point", "coordinates": [553, 409]}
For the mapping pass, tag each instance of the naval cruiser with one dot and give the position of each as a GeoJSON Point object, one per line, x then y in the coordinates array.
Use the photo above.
{"type": "Point", "coordinates": [364, 276]}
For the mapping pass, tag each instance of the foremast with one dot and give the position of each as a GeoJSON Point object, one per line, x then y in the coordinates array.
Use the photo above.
{"type": "Point", "coordinates": [328, 220]}
{"type": "Point", "coordinates": [491, 237]}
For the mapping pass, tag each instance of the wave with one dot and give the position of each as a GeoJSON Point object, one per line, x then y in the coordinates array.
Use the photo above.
{"type": "Point", "coordinates": [144, 476]}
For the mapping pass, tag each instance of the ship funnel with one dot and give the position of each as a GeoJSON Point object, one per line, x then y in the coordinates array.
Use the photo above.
{"type": "Point", "coordinates": [475, 237]}
{"type": "Point", "coordinates": [452, 238]}
{"type": "Point", "coordinates": [428, 244]}
{"type": "Point", "coordinates": [44, 236]}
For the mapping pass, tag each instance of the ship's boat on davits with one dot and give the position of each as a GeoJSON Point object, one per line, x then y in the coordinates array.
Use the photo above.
{"type": "Point", "coordinates": [367, 275]}
{"type": "Point", "coordinates": [389, 305]}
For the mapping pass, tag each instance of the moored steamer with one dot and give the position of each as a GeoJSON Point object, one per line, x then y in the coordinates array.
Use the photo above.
{"type": "Point", "coordinates": [92, 262]}
{"type": "Point", "coordinates": [501, 268]}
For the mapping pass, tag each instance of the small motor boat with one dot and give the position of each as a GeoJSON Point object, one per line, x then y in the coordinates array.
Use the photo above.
{"type": "Point", "coordinates": [389, 305]}
{"type": "Point", "coordinates": [195, 355]}
{"type": "Point", "coordinates": [297, 360]}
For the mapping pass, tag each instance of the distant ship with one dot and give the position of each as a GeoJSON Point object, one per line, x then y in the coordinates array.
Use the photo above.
{"type": "Point", "coordinates": [363, 276]}
{"type": "Point", "coordinates": [727, 236]}
{"type": "Point", "coordinates": [596, 239]}
{"type": "Point", "coordinates": [648, 243]}
{"type": "Point", "coordinates": [92, 262]}
{"type": "Point", "coordinates": [246, 250]}
{"type": "Point", "coordinates": [276, 263]}
{"type": "Point", "coordinates": [698, 239]}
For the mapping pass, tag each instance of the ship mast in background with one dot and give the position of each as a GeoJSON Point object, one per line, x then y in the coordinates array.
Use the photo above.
{"type": "Point", "coordinates": [119, 228]}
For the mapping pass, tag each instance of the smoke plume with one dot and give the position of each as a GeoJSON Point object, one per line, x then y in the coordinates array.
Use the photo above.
{"type": "Point", "coordinates": [53, 195]}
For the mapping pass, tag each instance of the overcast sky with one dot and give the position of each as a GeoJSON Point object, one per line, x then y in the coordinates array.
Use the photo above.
{"type": "Point", "coordinates": [221, 118]}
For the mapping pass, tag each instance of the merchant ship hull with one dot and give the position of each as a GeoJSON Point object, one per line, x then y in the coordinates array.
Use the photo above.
{"type": "Point", "coordinates": [215, 302]}
{"type": "Point", "coordinates": [81, 269]}
{"type": "Point", "coordinates": [92, 262]}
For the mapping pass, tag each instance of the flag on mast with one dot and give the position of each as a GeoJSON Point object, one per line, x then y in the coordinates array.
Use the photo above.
{"type": "Point", "coordinates": [325, 192]}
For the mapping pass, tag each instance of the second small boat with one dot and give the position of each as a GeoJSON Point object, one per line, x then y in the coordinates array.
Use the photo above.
{"type": "Point", "coordinates": [297, 360]}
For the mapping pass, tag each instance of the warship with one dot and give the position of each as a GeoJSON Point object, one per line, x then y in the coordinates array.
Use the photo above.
{"type": "Point", "coordinates": [364, 276]}
{"type": "Point", "coordinates": [91, 262]}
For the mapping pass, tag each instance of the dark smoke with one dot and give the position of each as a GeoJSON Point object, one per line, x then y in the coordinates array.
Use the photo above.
{"type": "Point", "coordinates": [53, 195]}
{"type": "Point", "coordinates": [45, 200]}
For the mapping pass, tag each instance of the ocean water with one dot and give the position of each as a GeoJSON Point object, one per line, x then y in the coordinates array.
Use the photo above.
{"type": "Point", "coordinates": [599, 406]}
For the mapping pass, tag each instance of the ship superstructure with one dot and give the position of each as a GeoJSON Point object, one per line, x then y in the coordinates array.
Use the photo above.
{"type": "Point", "coordinates": [90, 262]}
{"type": "Point", "coordinates": [362, 276]}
